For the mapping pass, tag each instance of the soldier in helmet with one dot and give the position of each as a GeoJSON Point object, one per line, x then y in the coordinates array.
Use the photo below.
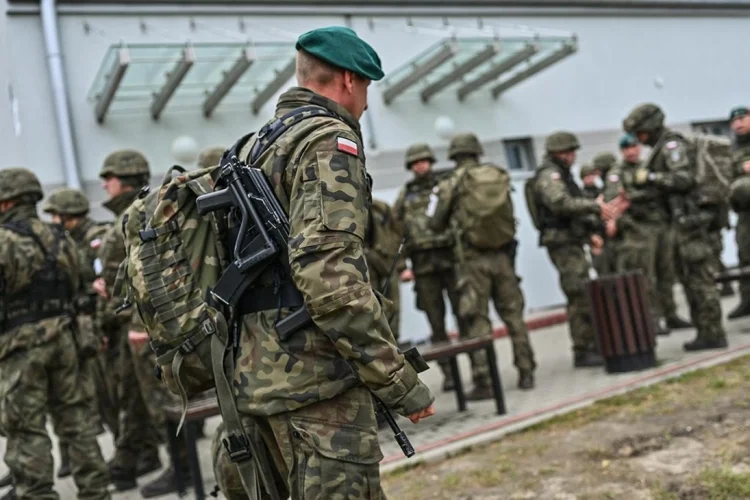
{"type": "Point", "coordinates": [592, 189]}
{"type": "Point", "coordinates": [39, 372]}
{"type": "Point", "coordinates": [210, 157]}
{"type": "Point", "coordinates": [670, 171]}
{"type": "Point", "coordinates": [430, 253]}
{"type": "Point", "coordinates": [603, 162]}
{"type": "Point", "coordinates": [70, 207]}
{"type": "Point", "coordinates": [382, 241]}
{"type": "Point", "coordinates": [486, 271]}
{"type": "Point", "coordinates": [739, 119]}
{"type": "Point", "coordinates": [568, 220]}
{"type": "Point", "coordinates": [589, 175]}
{"type": "Point", "coordinates": [124, 174]}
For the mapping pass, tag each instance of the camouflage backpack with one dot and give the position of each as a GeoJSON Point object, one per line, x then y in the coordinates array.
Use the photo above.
{"type": "Point", "coordinates": [714, 172]}
{"type": "Point", "coordinates": [485, 208]}
{"type": "Point", "coordinates": [529, 192]}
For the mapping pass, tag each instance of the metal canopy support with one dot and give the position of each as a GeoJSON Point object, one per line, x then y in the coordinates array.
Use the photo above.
{"type": "Point", "coordinates": [420, 71]}
{"type": "Point", "coordinates": [230, 78]}
{"type": "Point", "coordinates": [282, 76]}
{"type": "Point", "coordinates": [115, 75]}
{"type": "Point", "coordinates": [459, 71]}
{"type": "Point", "coordinates": [497, 70]}
{"type": "Point", "coordinates": [535, 68]}
{"type": "Point", "coordinates": [174, 78]}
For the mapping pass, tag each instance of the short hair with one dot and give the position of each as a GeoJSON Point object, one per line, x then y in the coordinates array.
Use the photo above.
{"type": "Point", "coordinates": [311, 70]}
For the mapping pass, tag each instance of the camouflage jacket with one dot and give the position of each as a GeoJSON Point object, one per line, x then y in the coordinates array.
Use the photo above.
{"type": "Point", "coordinates": [322, 184]}
{"type": "Point", "coordinates": [568, 216]}
{"type": "Point", "coordinates": [591, 192]}
{"type": "Point", "coordinates": [428, 251]}
{"type": "Point", "coordinates": [647, 204]}
{"type": "Point", "coordinates": [741, 155]}
{"type": "Point", "coordinates": [88, 236]}
{"type": "Point", "coordinates": [20, 259]}
{"type": "Point", "coordinates": [382, 239]}
{"type": "Point", "coordinates": [111, 253]}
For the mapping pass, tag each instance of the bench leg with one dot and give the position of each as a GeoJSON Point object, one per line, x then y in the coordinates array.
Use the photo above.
{"type": "Point", "coordinates": [174, 455]}
{"type": "Point", "coordinates": [193, 460]}
{"type": "Point", "coordinates": [497, 386]}
{"type": "Point", "coordinates": [458, 386]}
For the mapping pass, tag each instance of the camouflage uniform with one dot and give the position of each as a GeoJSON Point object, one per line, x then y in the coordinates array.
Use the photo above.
{"type": "Point", "coordinates": [210, 157]}
{"type": "Point", "coordinates": [430, 253]}
{"type": "Point", "coordinates": [604, 262]}
{"type": "Point", "coordinates": [382, 241]}
{"type": "Point", "coordinates": [741, 157]}
{"type": "Point", "coordinates": [317, 420]}
{"type": "Point", "coordinates": [39, 266]}
{"type": "Point", "coordinates": [671, 169]}
{"type": "Point", "coordinates": [137, 446]}
{"type": "Point", "coordinates": [72, 207]}
{"type": "Point", "coordinates": [484, 275]}
{"type": "Point", "coordinates": [568, 219]}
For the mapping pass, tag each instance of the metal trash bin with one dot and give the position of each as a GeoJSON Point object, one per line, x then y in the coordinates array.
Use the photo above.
{"type": "Point", "coordinates": [623, 323]}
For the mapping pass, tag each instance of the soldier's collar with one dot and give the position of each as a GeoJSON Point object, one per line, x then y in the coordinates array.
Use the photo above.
{"type": "Point", "coordinates": [299, 96]}
{"type": "Point", "coordinates": [122, 201]}
{"type": "Point", "coordinates": [19, 212]}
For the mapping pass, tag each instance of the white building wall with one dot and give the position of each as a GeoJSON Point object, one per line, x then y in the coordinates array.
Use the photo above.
{"type": "Point", "coordinates": [615, 68]}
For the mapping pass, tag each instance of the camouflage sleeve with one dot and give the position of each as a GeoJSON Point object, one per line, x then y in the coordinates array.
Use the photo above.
{"type": "Point", "coordinates": [112, 253]}
{"type": "Point", "coordinates": [740, 158]}
{"type": "Point", "coordinates": [613, 183]}
{"type": "Point", "coordinates": [679, 176]}
{"type": "Point", "coordinates": [442, 212]}
{"type": "Point", "coordinates": [555, 197]}
{"type": "Point", "coordinates": [328, 212]}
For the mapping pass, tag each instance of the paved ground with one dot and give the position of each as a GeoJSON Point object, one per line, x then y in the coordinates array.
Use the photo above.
{"type": "Point", "coordinates": [559, 388]}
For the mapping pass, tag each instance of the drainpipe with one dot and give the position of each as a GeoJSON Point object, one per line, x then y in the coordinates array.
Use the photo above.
{"type": "Point", "coordinates": [59, 92]}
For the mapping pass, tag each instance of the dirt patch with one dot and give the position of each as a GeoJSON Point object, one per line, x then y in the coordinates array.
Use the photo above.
{"type": "Point", "coordinates": [681, 440]}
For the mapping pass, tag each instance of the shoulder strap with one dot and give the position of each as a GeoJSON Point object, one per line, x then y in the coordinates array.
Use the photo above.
{"type": "Point", "coordinates": [24, 229]}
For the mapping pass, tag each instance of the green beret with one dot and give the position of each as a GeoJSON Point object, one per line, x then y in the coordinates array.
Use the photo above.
{"type": "Point", "coordinates": [342, 48]}
{"type": "Point", "coordinates": [738, 112]}
{"type": "Point", "coordinates": [627, 141]}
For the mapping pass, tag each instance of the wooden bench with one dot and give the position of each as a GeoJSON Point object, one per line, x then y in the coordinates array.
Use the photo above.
{"type": "Point", "coordinates": [205, 405]}
{"type": "Point", "coordinates": [451, 350]}
{"type": "Point", "coordinates": [199, 407]}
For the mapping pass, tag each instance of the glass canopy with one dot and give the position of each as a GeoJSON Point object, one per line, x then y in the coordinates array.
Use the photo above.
{"type": "Point", "coordinates": [466, 65]}
{"type": "Point", "coordinates": [155, 77]}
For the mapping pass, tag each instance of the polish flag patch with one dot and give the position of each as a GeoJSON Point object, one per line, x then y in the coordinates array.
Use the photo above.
{"type": "Point", "coordinates": [347, 146]}
{"type": "Point", "coordinates": [95, 243]}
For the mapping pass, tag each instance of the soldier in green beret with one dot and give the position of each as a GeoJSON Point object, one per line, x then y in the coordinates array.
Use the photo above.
{"type": "Point", "coordinates": [306, 395]}
{"type": "Point", "coordinates": [739, 120]}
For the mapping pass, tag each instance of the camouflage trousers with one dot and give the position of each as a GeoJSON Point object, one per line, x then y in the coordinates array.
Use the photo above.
{"type": "Point", "coordinates": [666, 271]}
{"type": "Point", "coordinates": [696, 264]}
{"type": "Point", "coordinates": [46, 379]}
{"type": "Point", "coordinates": [485, 276]}
{"type": "Point", "coordinates": [430, 290]}
{"type": "Point", "coordinates": [328, 450]}
{"type": "Point", "coordinates": [573, 268]}
{"type": "Point", "coordinates": [717, 245]}
{"type": "Point", "coordinates": [141, 425]}
{"type": "Point", "coordinates": [637, 252]}
{"type": "Point", "coordinates": [742, 235]}
{"type": "Point", "coordinates": [393, 294]}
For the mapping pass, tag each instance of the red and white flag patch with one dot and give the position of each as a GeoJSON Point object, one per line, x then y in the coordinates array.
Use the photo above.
{"type": "Point", "coordinates": [95, 243]}
{"type": "Point", "coordinates": [347, 146]}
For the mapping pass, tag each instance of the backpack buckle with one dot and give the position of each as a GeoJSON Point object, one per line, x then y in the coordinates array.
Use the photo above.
{"type": "Point", "coordinates": [187, 346]}
{"type": "Point", "coordinates": [238, 447]}
{"type": "Point", "coordinates": [147, 234]}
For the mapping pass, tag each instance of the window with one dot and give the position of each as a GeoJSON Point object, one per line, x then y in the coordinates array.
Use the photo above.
{"type": "Point", "coordinates": [713, 128]}
{"type": "Point", "coordinates": [520, 154]}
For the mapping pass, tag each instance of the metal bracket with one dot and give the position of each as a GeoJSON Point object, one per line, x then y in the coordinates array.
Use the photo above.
{"type": "Point", "coordinates": [230, 78]}
{"type": "Point", "coordinates": [115, 75]}
{"type": "Point", "coordinates": [174, 78]}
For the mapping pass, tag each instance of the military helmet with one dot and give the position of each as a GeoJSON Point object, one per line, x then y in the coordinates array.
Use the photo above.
{"type": "Point", "coordinates": [66, 201]}
{"type": "Point", "coordinates": [644, 118]}
{"type": "Point", "coordinates": [587, 169]}
{"type": "Point", "coordinates": [210, 157]}
{"type": "Point", "coordinates": [739, 194]}
{"type": "Point", "coordinates": [464, 144]}
{"type": "Point", "coordinates": [124, 163]}
{"type": "Point", "coordinates": [418, 152]}
{"type": "Point", "coordinates": [604, 161]}
{"type": "Point", "coordinates": [18, 181]}
{"type": "Point", "coordinates": [559, 142]}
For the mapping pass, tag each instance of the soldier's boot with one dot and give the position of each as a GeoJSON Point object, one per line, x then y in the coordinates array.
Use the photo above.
{"type": "Point", "coordinates": [11, 495]}
{"type": "Point", "coordinates": [526, 380]}
{"type": "Point", "coordinates": [481, 390]}
{"type": "Point", "coordinates": [64, 470]}
{"type": "Point", "coordinates": [124, 478]}
{"type": "Point", "coordinates": [677, 323]}
{"type": "Point", "coordinates": [726, 290]}
{"type": "Point", "coordinates": [6, 480]}
{"type": "Point", "coordinates": [165, 484]}
{"type": "Point", "coordinates": [587, 359]}
{"type": "Point", "coordinates": [700, 344]}
{"type": "Point", "coordinates": [742, 310]}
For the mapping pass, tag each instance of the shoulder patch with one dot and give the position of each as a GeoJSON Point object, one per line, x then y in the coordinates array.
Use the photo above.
{"type": "Point", "coordinates": [613, 178]}
{"type": "Point", "coordinates": [746, 165]}
{"type": "Point", "coordinates": [96, 243]}
{"type": "Point", "coordinates": [672, 144]}
{"type": "Point", "coordinates": [555, 176]}
{"type": "Point", "coordinates": [345, 145]}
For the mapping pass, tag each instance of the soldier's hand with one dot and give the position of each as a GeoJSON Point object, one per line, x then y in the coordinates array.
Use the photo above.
{"type": "Point", "coordinates": [606, 210]}
{"type": "Point", "coordinates": [597, 242]}
{"type": "Point", "coordinates": [611, 228]}
{"type": "Point", "coordinates": [746, 167]}
{"type": "Point", "coordinates": [427, 412]}
{"type": "Point", "coordinates": [407, 275]}
{"type": "Point", "coordinates": [100, 287]}
{"type": "Point", "coordinates": [137, 339]}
